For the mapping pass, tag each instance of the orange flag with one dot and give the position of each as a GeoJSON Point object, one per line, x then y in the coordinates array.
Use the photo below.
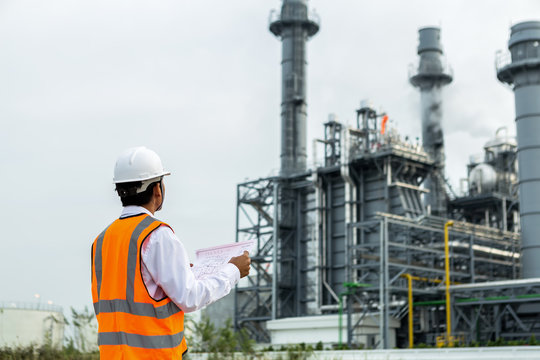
{"type": "Point", "coordinates": [383, 124]}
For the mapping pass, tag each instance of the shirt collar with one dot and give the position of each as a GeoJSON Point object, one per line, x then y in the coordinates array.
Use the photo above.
{"type": "Point", "coordinates": [132, 210]}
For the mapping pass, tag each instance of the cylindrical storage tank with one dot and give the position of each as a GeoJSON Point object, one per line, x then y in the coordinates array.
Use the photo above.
{"type": "Point", "coordinates": [26, 324]}
{"type": "Point", "coordinates": [482, 179]}
{"type": "Point", "coordinates": [522, 71]}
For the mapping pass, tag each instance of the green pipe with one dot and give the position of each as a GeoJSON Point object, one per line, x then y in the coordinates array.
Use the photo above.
{"type": "Point", "coordinates": [355, 285]}
{"type": "Point", "coordinates": [528, 296]}
{"type": "Point", "coordinates": [467, 300]}
{"type": "Point", "coordinates": [441, 302]}
{"type": "Point", "coordinates": [427, 303]}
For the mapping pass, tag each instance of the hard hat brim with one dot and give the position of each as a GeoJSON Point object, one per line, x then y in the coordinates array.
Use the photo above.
{"type": "Point", "coordinates": [166, 173]}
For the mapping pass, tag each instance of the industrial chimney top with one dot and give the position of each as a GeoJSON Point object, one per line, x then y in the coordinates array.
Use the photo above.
{"type": "Point", "coordinates": [523, 55]}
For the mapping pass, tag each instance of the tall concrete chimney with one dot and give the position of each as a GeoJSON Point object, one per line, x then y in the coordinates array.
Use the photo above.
{"type": "Point", "coordinates": [521, 70]}
{"type": "Point", "coordinates": [294, 26]}
{"type": "Point", "coordinates": [430, 77]}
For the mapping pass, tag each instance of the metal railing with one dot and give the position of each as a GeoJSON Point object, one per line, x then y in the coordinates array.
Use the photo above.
{"type": "Point", "coordinates": [20, 305]}
{"type": "Point", "coordinates": [312, 16]}
{"type": "Point", "coordinates": [446, 69]}
{"type": "Point", "coordinates": [502, 58]}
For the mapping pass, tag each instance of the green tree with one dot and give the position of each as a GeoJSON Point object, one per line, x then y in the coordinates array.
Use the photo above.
{"type": "Point", "coordinates": [81, 325]}
{"type": "Point", "coordinates": [223, 341]}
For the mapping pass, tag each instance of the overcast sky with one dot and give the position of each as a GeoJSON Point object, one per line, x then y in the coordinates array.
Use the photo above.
{"type": "Point", "coordinates": [199, 83]}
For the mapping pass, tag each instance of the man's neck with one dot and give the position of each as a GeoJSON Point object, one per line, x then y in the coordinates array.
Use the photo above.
{"type": "Point", "coordinates": [149, 207]}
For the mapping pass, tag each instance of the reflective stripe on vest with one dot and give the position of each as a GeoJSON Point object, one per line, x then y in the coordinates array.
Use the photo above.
{"type": "Point", "coordinates": [128, 305]}
{"type": "Point", "coordinates": [142, 309]}
{"type": "Point", "coordinates": [147, 342]}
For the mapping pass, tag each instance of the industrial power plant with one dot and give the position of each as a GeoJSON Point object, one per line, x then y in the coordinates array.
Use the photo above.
{"type": "Point", "coordinates": [372, 247]}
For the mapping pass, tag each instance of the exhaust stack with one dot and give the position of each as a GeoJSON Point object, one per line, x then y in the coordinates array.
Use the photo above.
{"type": "Point", "coordinates": [521, 69]}
{"type": "Point", "coordinates": [294, 26]}
{"type": "Point", "coordinates": [430, 76]}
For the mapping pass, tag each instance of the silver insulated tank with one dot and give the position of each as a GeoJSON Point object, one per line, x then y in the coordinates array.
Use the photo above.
{"type": "Point", "coordinates": [521, 69]}
{"type": "Point", "coordinates": [430, 76]}
{"type": "Point", "coordinates": [294, 26]}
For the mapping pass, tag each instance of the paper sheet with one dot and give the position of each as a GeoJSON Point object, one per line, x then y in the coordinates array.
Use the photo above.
{"type": "Point", "coordinates": [210, 260]}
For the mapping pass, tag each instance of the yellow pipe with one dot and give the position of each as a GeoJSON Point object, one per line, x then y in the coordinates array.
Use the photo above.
{"type": "Point", "coordinates": [409, 281]}
{"type": "Point", "coordinates": [447, 281]}
{"type": "Point", "coordinates": [436, 281]}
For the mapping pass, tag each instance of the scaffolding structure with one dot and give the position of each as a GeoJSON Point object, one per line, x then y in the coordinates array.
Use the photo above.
{"type": "Point", "coordinates": [255, 213]}
{"type": "Point", "coordinates": [345, 234]}
{"type": "Point", "coordinates": [416, 247]}
{"type": "Point", "coordinates": [277, 286]}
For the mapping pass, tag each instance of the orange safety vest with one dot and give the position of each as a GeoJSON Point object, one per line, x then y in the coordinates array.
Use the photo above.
{"type": "Point", "coordinates": [131, 324]}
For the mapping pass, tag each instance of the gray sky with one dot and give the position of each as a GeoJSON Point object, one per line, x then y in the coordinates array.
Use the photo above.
{"type": "Point", "coordinates": [199, 83]}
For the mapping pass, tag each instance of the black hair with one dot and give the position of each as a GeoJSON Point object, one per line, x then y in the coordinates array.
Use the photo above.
{"type": "Point", "coordinates": [129, 196]}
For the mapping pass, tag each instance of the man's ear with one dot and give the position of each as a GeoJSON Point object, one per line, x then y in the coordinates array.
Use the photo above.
{"type": "Point", "coordinates": [157, 190]}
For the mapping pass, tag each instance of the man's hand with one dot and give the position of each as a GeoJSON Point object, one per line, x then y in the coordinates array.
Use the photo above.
{"type": "Point", "coordinates": [242, 263]}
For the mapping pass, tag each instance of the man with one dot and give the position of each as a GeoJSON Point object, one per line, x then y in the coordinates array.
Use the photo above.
{"type": "Point", "coordinates": [142, 283]}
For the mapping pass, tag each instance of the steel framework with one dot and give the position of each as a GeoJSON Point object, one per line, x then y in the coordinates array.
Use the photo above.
{"type": "Point", "coordinates": [345, 234]}
{"type": "Point", "coordinates": [255, 214]}
{"type": "Point", "coordinates": [277, 212]}
{"type": "Point", "coordinates": [415, 247]}
{"type": "Point", "coordinates": [497, 310]}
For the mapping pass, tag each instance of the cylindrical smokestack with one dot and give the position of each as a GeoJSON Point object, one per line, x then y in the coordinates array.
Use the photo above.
{"type": "Point", "coordinates": [430, 77]}
{"type": "Point", "coordinates": [521, 69]}
{"type": "Point", "coordinates": [295, 27]}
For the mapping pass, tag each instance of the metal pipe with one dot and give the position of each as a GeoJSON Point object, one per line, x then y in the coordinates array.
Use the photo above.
{"type": "Point", "coordinates": [329, 240]}
{"type": "Point", "coordinates": [384, 320]}
{"type": "Point", "coordinates": [275, 235]}
{"type": "Point", "coordinates": [350, 199]}
{"type": "Point", "coordinates": [330, 291]}
{"type": "Point", "coordinates": [324, 238]}
{"type": "Point", "coordinates": [386, 342]}
{"type": "Point", "coordinates": [299, 254]}
{"type": "Point", "coordinates": [410, 279]}
{"type": "Point", "coordinates": [381, 286]}
{"type": "Point", "coordinates": [340, 321]}
{"type": "Point", "coordinates": [410, 298]}
{"type": "Point", "coordinates": [504, 284]}
{"type": "Point", "coordinates": [447, 282]}
{"type": "Point", "coordinates": [317, 237]}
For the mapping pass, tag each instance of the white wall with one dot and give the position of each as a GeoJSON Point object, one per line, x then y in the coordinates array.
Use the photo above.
{"type": "Point", "coordinates": [325, 328]}
{"type": "Point", "coordinates": [23, 327]}
{"type": "Point", "coordinates": [490, 353]}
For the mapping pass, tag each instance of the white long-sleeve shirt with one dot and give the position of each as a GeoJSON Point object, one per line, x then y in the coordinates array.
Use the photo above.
{"type": "Point", "coordinates": [166, 270]}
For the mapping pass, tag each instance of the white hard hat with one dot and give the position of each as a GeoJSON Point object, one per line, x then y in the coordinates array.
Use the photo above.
{"type": "Point", "coordinates": [138, 164]}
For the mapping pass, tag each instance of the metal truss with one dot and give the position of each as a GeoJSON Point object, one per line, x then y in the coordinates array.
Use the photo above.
{"type": "Point", "coordinates": [255, 220]}
{"type": "Point", "coordinates": [273, 212]}
{"type": "Point", "coordinates": [497, 310]}
{"type": "Point", "coordinates": [390, 246]}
